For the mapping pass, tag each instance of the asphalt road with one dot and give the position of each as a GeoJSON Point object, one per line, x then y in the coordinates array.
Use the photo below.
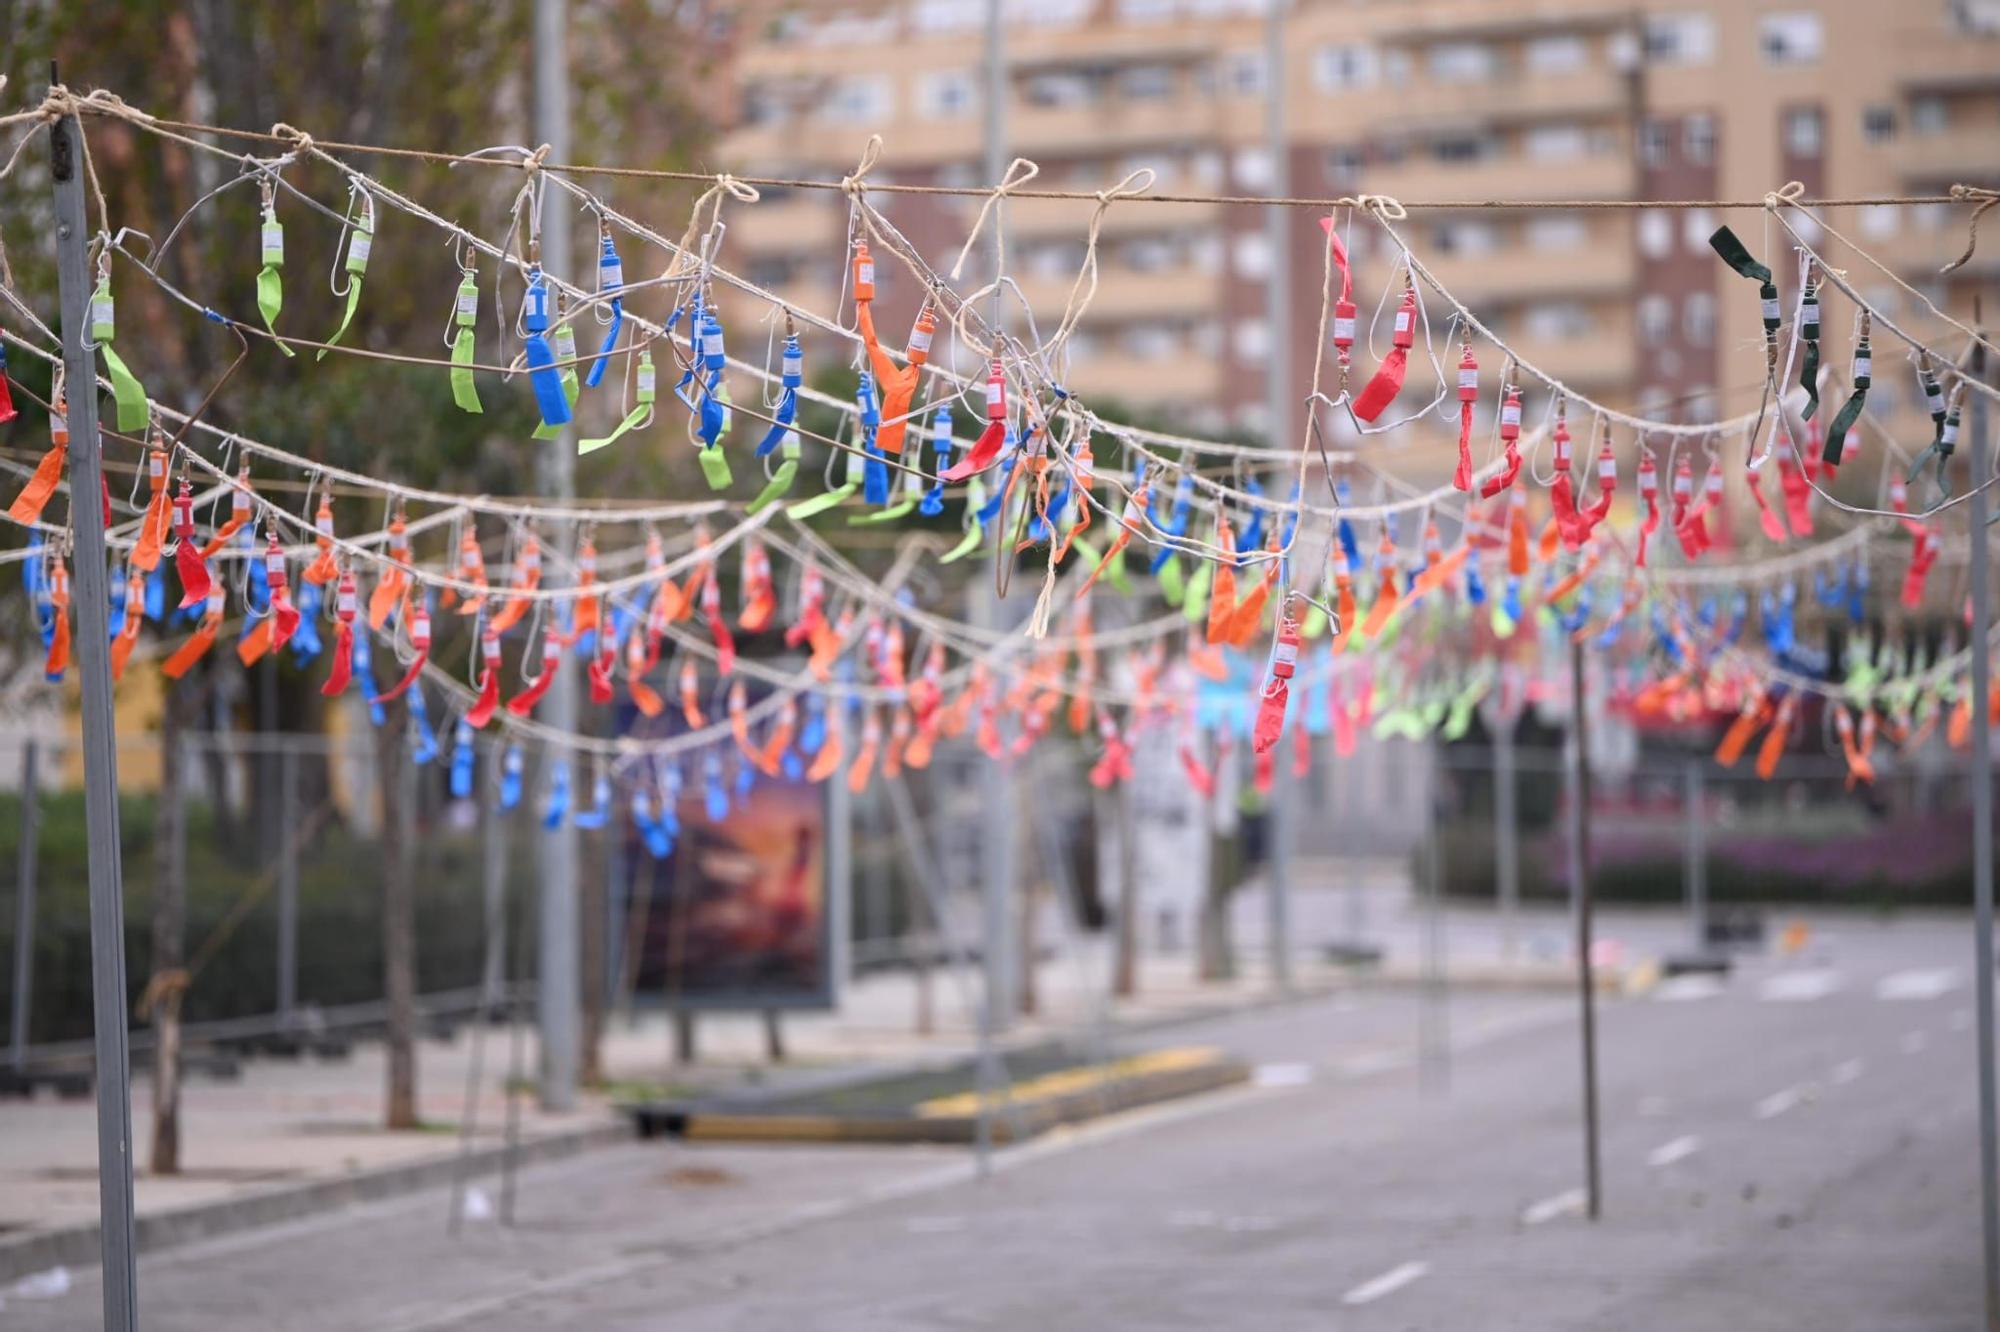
{"type": "Point", "coordinates": [1793, 1149]}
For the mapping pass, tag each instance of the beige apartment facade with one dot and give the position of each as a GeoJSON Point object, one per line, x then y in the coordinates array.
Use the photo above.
{"type": "Point", "coordinates": [1425, 100]}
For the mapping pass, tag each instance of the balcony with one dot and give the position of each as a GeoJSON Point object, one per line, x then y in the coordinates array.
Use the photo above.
{"type": "Point", "coordinates": [1605, 267]}
{"type": "Point", "coordinates": [1594, 91]}
{"type": "Point", "coordinates": [1964, 153]}
{"type": "Point", "coordinates": [812, 222]}
{"type": "Point", "coordinates": [1111, 125]}
{"type": "Point", "coordinates": [1606, 176]}
{"type": "Point", "coordinates": [1133, 382]}
{"type": "Point", "coordinates": [1126, 294]}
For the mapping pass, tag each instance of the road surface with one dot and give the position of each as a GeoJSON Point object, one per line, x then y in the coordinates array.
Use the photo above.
{"type": "Point", "coordinates": [1794, 1148]}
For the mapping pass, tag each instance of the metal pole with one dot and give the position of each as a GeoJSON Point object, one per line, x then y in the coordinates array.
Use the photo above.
{"type": "Point", "coordinates": [109, 996]}
{"type": "Point", "coordinates": [839, 904]}
{"type": "Point", "coordinates": [1696, 872]}
{"type": "Point", "coordinates": [288, 889]}
{"type": "Point", "coordinates": [1982, 845]}
{"type": "Point", "coordinates": [1506, 828]}
{"type": "Point", "coordinates": [24, 914]}
{"type": "Point", "coordinates": [998, 880]}
{"type": "Point", "coordinates": [493, 889]}
{"type": "Point", "coordinates": [1278, 387]}
{"type": "Point", "coordinates": [1579, 843]}
{"type": "Point", "coordinates": [560, 951]}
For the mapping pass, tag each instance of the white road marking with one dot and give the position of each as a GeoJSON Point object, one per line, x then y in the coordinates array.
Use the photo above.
{"type": "Point", "coordinates": [1282, 1075]}
{"type": "Point", "coordinates": [1686, 989]}
{"type": "Point", "coordinates": [1914, 1042]}
{"type": "Point", "coordinates": [1846, 1071]}
{"type": "Point", "coordinates": [1777, 1103]}
{"type": "Point", "coordinates": [1680, 1149]}
{"type": "Point", "coordinates": [1796, 987]}
{"type": "Point", "coordinates": [1567, 1203]}
{"type": "Point", "coordinates": [1388, 1283]}
{"type": "Point", "coordinates": [1928, 983]}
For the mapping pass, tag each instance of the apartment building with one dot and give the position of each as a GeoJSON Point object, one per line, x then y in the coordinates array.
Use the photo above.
{"type": "Point", "coordinates": [1470, 101]}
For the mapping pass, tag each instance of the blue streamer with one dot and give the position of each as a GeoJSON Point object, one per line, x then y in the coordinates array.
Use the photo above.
{"type": "Point", "coordinates": [510, 778]}
{"type": "Point", "coordinates": [812, 731]}
{"type": "Point", "coordinates": [599, 813]}
{"type": "Point", "coordinates": [541, 358]}
{"type": "Point", "coordinates": [610, 278]}
{"type": "Point", "coordinates": [427, 741]}
{"type": "Point", "coordinates": [557, 807]}
{"type": "Point", "coordinates": [932, 503]}
{"type": "Point", "coordinates": [461, 761]}
{"type": "Point", "coordinates": [305, 642]}
{"type": "Point", "coordinates": [1177, 523]}
{"type": "Point", "coordinates": [794, 374]}
{"type": "Point", "coordinates": [715, 797]}
{"type": "Point", "coordinates": [364, 671]}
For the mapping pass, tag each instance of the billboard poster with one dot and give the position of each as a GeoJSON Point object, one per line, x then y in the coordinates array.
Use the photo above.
{"type": "Point", "coordinates": [736, 916]}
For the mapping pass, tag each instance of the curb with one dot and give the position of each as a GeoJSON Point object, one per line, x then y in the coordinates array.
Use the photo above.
{"type": "Point", "coordinates": [81, 1245]}
{"type": "Point", "coordinates": [1076, 1095]}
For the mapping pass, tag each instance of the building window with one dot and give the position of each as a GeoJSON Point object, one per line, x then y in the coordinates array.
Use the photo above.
{"type": "Point", "coordinates": [1796, 38]}
{"type": "Point", "coordinates": [1978, 17]}
{"type": "Point", "coordinates": [1929, 115]}
{"type": "Point", "coordinates": [1697, 225]}
{"type": "Point", "coordinates": [1656, 233]}
{"type": "Point", "coordinates": [1557, 143]}
{"type": "Point", "coordinates": [1805, 131]}
{"type": "Point", "coordinates": [947, 94]}
{"type": "Point", "coordinates": [1465, 238]}
{"type": "Point", "coordinates": [949, 15]}
{"type": "Point", "coordinates": [858, 101]}
{"type": "Point", "coordinates": [1343, 68]}
{"type": "Point", "coordinates": [1557, 231]}
{"type": "Point", "coordinates": [1557, 55]}
{"type": "Point", "coordinates": [1251, 339]}
{"type": "Point", "coordinates": [1656, 318]}
{"type": "Point", "coordinates": [1556, 320]}
{"type": "Point", "coordinates": [1878, 123]}
{"type": "Point", "coordinates": [1344, 163]}
{"type": "Point", "coordinates": [1462, 148]}
{"type": "Point", "coordinates": [1060, 87]}
{"type": "Point", "coordinates": [1460, 62]}
{"type": "Point", "coordinates": [1049, 13]}
{"type": "Point", "coordinates": [1679, 39]}
{"type": "Point", "coordinates": [1146, 83]}
{"type": "Point", "coordinates": [1243, 73]}
{"type": "Point", "coordinates": [1880, 220]}
{"type": "Point", "coordinates": [1698, 319]}
{"type": "Point", "coordinates": [1698, 138]}
{"type": "Point", "coordinates": [1252, 251]}
{"type": "Point", "coordinates": [1146, 11]}
{"type": "Point", "coordinates": [1149, 342]}
{"type": "Point", "coordinates": [1656, 143]}
{"type": "Point", "coordinates": [1253, 168]}
{"type": "Point", "coordinates": [1396, 68]}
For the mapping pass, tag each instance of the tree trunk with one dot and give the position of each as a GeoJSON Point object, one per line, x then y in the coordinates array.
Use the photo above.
{"type": "Point", "coordinates": [169, 982]}
{"type": "Point", "coordinates": [399, 924]}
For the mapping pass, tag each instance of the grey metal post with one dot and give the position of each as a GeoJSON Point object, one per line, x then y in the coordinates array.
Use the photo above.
{"type": "Point", "coordinates": [493, 888]}
{"type": "Point", "coordinates": [560, 950]}
{"type": "Point", "coordinates": [1278, 389]}
{"type": "Point", "coordinates": [1982, 845]}
{"type": "Point", "coordinates": [1506, 828]}
{"type": "Point", "coordinates": [109, 996]}
{"type": "Point", "coordinates": [24, 913]}
{"type": "Point", "coordinates": [1579, 844]}
{"type": "Point", "coordinates": [1695, 873]}
{"type": "Point", "coordinates": [839, 904]}
{"type": "Point", "coordinates": [288, 889]}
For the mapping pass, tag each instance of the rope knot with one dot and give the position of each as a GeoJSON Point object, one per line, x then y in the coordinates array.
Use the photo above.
{"type": "Point", "coordinates": [738, 190]}
{"type": "Point", "coordinates": [1792, 193]}
{"type": "Point", "coordinates": [1019, 172]}
{"type": "Point", "coordinates": [1385, 206]}
{"type": "Point", "coordinates": [297, 139]}
{"type": "Point", "coordinates": [871, 153]}
{"type": "Point", "coordinates": [533, 161]}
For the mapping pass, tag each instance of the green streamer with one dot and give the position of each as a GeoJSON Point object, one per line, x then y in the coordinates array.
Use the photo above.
{"type": "Point", "coordinates": [125, 386]}
{"type": "Point", "coordinates": [1314, 624]}
{"type": "Point", "coordinates": [465, 313]}
{"type": "Point", "coordinates": [1194, 602]}
{"type": "Point", "coordinates": [360, 242]}
{"type": "Point", "coordinates": [1173, 584]}
{"type": "Point", "coordinates": [642, 410]}
{"type": "Point", "coordinates": [819, 504]}
{"type": "Point", "coordinates": [715, 467]}
{"type": "Point", "coordinates": [270, 284]}
{"type": "Point", "coordinates": [966, 544]}
{"type": "Point", "coordinates": [776, 488]}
